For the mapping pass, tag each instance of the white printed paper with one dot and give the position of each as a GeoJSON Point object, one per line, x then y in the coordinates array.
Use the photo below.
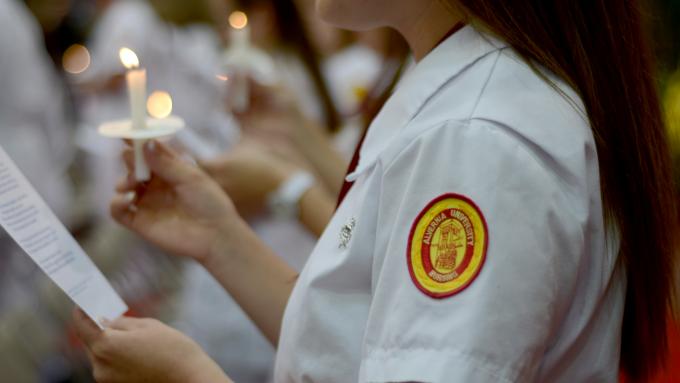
{"type": "Point", "coordinates": [33, 225]}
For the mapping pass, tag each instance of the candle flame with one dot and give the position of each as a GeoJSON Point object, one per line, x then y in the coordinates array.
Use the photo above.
{"type": "Point", "coordinates": [238, 20]}
{"type": "Point", "coordinates": [128, 58]}
{"type": "Point", "coordinates": [159, 104]}
{"type": "Point", "coordinates": [76, 59]}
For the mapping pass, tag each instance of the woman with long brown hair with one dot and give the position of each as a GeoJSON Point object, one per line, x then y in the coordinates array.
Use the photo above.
{"type": "Point", "coordinates": [512, 216]}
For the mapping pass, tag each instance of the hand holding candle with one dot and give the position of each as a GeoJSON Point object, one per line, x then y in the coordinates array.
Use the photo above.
{"type": "Point", "coordinates": [240, 32]}
{"type": "Point", "coordinates": [139, 128]}
{"type": "Point", "coordinates": [240, 40]}
{"type": "Point", "coordinates": [244, 61]}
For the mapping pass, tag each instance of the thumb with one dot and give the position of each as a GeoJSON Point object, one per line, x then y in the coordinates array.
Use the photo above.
{"type": "Point", "coordinates": [208, 165]}
{"type": "Point", "coordinates": [167, 165]}
{"type": "Point", "coordinates": [86, 329]}
{"type": "Point", "coordinates": [217, 168]}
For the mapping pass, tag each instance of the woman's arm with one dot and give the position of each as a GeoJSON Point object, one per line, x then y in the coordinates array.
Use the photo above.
{"type": "Point", "coordinates": [316, 209]}
{"type": "Point", "coordinates": [274, 118]}
{"type": "Point", "coordinates": [315, 145]}
{"type": "Point", "coordinates": [184, 212]}
{"type": "Point", "coordinates": [249, 174]}
{"type": "Point", "coordinates": [258, 280]}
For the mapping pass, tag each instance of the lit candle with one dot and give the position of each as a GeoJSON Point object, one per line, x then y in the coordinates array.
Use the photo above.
{"type": "Point", "coordinates": [240, 32]}
{"type": "Point", "coordinates": [141, 128]}
{"type": "Point", "coordinates": [240, 46]}
{"type": "Point", "coordinates": [136, 83]}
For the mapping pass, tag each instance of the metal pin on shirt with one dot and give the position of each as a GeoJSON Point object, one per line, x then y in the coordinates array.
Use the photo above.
{"type": "Point", "coordinates": [346, 233]}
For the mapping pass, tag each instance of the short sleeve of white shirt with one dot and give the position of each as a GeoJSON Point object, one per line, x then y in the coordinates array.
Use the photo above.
{"type": "Point", "coordinates": [497, 328]}
{"type": "Point", "coordinates": [472, 246]}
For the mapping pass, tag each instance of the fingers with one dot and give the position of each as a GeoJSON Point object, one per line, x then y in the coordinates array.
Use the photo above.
{"type": "Point", "coordinates": [262, 96]}
{"type": "Point", "coordinates": [87, 330]}
{"type": "Point", "coordinates": [127, 323]}
{"type": "Point", "coordinates": [165, 164]}
{"type": "Point", "coordinates": [161, 160]}
{"type": "Point", "coordinates": [211, 168]}
{"type": "Point", "coordinates": [266, 92]}
{"type": "Point", "coordinates": [126, 184]}
{"type": "Point", "coordinates": [123, 209]}
{"type": "Point", "coordinates": [129, 159]}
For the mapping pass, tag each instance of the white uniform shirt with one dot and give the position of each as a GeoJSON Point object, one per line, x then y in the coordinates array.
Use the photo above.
{"type": "Point", "coordinates": [475, 147]}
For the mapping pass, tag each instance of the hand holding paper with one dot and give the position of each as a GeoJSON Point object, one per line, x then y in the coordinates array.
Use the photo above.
{"type": "Point", "coordinates": [31, 223]}
{"type": "Point", "coordinates": [133, 350]}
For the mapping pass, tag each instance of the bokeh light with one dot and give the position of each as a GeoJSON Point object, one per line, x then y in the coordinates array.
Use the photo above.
{"type": "Point", "coordinates": [238, 20]}
{"type": "Point", "coordinates": [672, 107]}
{"type": "Point", "coordinates": [159, 104]}
{"type": "Point", "coordinates": [76, 59]}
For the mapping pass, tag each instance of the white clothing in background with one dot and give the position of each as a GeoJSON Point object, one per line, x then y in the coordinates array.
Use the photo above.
{"type": "Point", "coordinates": [181, 61]}
{"type": "Point", "coordinates": [351, 74]}
{"type": "Point", "coordinates": [210, 316]}
{"type": "Point", "coordinates": [472, 245]}
{"type": "Point", "coordinates": [34, 126]}
{"type": "Point", "coordinates": [288, 237]}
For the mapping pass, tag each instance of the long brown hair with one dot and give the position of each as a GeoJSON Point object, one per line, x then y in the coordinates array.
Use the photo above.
{"type": "Point", "coordinates": [599, 48]}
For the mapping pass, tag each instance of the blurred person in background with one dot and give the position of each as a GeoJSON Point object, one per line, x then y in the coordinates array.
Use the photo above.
{"type": "Point", "coordinates": [311, 115]}
{"type": "Point", "coordinates": [278, 28]}
{"type": "Point", "coordinates": [293, 130]}
{"type": "Point", "coordinates": [36, 130]}
{"type": "Point", "coordinates": [35, 117]}
{"type": "Point", "coordinates": [361, 77]}
{"type": "Point", "coordinates": [328, 75]}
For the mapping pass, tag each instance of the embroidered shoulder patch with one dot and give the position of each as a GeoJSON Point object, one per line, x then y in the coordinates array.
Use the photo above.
{"type": "Point", "coordinates": [447, 246]}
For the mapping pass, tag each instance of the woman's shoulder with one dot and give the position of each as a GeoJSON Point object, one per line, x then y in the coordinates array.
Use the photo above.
{"type": "Point", "coordinates": [501, 88]}
{"type": "Point", "coordinates": [532, 101]}
{"type": "Point", "coordinates": [503, 96]}
{"type": "Point", "coordinates": [507, 90]}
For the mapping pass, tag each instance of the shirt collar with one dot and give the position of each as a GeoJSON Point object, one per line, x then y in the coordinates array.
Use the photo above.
{"type": "Point", "coordinates": [447, 60]}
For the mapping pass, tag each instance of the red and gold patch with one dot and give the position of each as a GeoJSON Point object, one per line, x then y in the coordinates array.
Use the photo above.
{"type": "Point", "coordinates": [447, 246]}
